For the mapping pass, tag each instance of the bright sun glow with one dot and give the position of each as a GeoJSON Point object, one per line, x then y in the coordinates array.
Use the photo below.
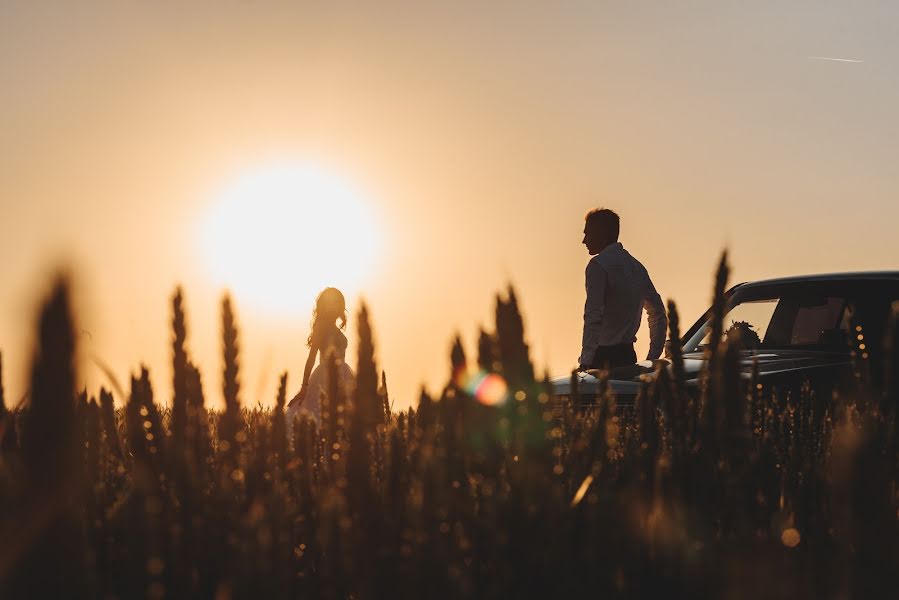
{"type": "Point", "coordinates": [278, 235]}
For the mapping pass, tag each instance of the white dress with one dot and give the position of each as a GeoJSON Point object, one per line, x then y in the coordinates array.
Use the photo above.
{"type": "Point", "coordinates": [318, 380]}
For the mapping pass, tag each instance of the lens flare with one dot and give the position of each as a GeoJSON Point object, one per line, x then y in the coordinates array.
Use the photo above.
{"type": "Point", "coordinates": [489, 389]}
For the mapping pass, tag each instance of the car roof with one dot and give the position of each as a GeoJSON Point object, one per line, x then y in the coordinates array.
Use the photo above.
{"type": "Point", "coordinates": [824, 277]}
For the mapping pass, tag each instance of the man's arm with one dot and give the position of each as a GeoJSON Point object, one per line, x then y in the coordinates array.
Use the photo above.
{"type": "Point", "coordinates": [658, 320]}
{"type": "Point", "coordinates": [594, 308]}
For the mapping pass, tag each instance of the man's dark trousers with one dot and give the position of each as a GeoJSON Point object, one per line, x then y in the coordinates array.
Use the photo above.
{"type": "Point", "coordinates": [610, 357]}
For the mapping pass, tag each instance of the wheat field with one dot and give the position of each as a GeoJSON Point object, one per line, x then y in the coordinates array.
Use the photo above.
{"type": "Point", "coordinates": [734, 492]}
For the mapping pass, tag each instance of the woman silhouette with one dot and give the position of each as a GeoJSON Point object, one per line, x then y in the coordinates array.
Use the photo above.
{"type": "Point", "coordinates": [325, 335]}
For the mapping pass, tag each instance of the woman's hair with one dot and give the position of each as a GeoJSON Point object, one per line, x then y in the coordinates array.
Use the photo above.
{"type": "Point", "coordinates": [329, 307]}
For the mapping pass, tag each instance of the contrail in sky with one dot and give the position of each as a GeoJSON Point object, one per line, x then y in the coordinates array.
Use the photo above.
{"type": "Point", "coordinates": [849, 60]}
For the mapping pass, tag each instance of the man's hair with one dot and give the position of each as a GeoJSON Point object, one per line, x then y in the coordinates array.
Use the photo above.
{"type": "Point", "coordinates": [604, 221]}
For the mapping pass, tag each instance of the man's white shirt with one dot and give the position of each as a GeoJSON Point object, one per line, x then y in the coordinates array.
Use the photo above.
{"type": "Point", "coordinates": [618, 289]}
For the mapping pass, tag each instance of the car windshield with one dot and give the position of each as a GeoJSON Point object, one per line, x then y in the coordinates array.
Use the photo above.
{"type": "Point", "coordinates": [807, 321]}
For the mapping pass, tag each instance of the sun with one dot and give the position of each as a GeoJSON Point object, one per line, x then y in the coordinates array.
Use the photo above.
{"type": "Point", "coordinates": [275, 236]}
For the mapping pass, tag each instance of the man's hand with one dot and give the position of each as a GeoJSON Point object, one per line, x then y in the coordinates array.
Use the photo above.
{"type": "Point", "coordinates": [660, 362]}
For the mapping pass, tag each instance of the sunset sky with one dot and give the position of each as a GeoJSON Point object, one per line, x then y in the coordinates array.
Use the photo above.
{"type": "Point", "coordinates": [438, 151]}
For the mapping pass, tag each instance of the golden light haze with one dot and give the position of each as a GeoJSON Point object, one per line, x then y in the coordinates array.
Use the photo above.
{"type": "Point", "coordinates": [480, 134]}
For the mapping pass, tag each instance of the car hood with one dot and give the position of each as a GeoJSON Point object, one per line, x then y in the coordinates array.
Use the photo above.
{"type": "Point", "coordinates": [770, 362]}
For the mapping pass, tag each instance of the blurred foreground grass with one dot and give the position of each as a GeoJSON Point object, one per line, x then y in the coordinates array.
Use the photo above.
{"type": "Point", "coordinates": [733, 492]}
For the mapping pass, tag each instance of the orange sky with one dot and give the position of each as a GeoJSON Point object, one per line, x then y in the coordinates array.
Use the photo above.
{"type": "Point", "coordinates": [477, 134]}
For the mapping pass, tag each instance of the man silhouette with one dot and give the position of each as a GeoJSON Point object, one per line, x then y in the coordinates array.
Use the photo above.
{"type": "Point", "coordinates": [618, 289]}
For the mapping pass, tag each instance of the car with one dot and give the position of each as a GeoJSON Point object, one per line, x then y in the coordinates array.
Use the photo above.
{"type": "Point", "coordinates": [799, 330]}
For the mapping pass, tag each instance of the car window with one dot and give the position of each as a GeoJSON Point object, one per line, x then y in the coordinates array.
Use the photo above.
{"type": "Point", "coordinates": [787, 321]}
{"type": "Point", "coordinates": [814, 324]}
{"type": "Point", "coordinates": [750, 319]}
{"type": "Point", "coordinates": [815, 315]}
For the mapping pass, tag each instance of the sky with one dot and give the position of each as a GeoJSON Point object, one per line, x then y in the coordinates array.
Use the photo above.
{"type": "Point", "coordinates": [474, 136]}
